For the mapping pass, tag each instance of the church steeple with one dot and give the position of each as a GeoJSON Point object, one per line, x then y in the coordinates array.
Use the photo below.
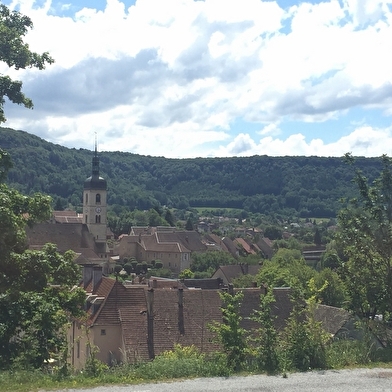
{"type": "Point", "coordinates": [94, 201]}
{"type": "Point", "coordinates": [95, 181]}
{"type": "Point", "coordinates": [95, 172]}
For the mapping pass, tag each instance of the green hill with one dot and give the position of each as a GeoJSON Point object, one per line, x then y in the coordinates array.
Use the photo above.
{"type": "Point", "coordinates": [291, 186]}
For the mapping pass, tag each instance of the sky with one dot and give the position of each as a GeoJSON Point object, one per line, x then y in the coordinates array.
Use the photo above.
{"type": "Point", "coordinates": [212, 78]}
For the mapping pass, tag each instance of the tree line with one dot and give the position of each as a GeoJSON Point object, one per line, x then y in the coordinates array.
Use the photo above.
{"type": "Point", "coordinates": [289, 186]}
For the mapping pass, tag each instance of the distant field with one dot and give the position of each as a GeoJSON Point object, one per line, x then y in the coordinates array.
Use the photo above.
{"type": "Point", "coordinates": [213, 209]}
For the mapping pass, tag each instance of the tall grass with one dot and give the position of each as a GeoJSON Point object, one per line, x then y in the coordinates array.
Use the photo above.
{"type": "Point", "coordinates": [180, 363]}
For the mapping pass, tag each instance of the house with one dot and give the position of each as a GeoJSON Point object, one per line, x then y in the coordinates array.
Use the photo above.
{"type": "Point", "coordinates": [133, 323]}
{"type": "Point", "coordinates": [266, 247]}
{"type": "Point", "coordinates": [136, 323]}
{"type": "Point", "coordinates": [172, 247]}
{"type": "Point", "coordinates": [229, 272]}
{"type": "Point", "coordinates": [245, 247]}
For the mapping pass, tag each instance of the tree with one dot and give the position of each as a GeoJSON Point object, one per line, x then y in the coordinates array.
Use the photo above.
{"type": "Point", "coordinates": [169, 218]}
{"type": "Point", "coordinates": [365, 237]}
{"type": "Point", "coordinates": [189, 224]}
{"type": "Point", "coordinates": [264, 340]}
{"type": "Point", "coordinates": [16, 54]}
{"type": "Point", "coordinates": [273, 233]}
{"type": "Point", "coordinates": [186, 274]}
{"type": "Point", "coordinates": [317, 237]}
{"type": "Point", "coordinates": [286, 268]}
{"type": "Point", "coordinates": [230, 334]}
{"type": "Point", "coordinates": [35, 286]}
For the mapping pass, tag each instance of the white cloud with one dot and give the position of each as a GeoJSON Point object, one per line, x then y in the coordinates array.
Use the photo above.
{"type": "Point", "coordinates": [363, 141]}
{"type": "Point", "coordinates": [168, 78]}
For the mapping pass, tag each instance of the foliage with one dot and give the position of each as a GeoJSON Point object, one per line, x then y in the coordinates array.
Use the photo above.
{"type": "Point", "coordinates": [223, 184]}
{"type": "Point", "coordinates": [264, 340]}
{"type": "Point", "coordinates": [186, 274]}
{"type": "Point", "coordinates": [182, 362]}
{"type": "Point", "coordinates": [35, 286]}
{"type": "Point", "coordinates": [331, 289]}
{"type": "Point", "coordinates": [16, 54]}
{"type": "Point", "coordinates": [303, 340]}
{"type": "Point", "coordinates": [287, 268]}
{"type": "Point", "coordinates": [230, 334]}
{"type": "Point", "coordinates": [244, 281]}
{"type": "Point", "coordinates": [210, 261]}
{"type": "Point", "coordinates": [365, 236]}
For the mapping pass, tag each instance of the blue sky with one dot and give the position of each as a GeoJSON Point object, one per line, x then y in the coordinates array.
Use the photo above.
{"type": "Point", "coordinates": [187, 78]}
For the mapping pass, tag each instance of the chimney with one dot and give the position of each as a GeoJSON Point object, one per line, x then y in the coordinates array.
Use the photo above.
{"type": "Point", "coordinates": [150, 323]}
{"type": "Point", "coordinates": [181, 327]}
{"type": "Point", "coordinates": [263, 289]}
{"type": "Point", "coordinates": [87, 274]}
{"type": "Point", "coordinates": [231, 289]}
{"type": "Point", "coordinates": [97, 276]}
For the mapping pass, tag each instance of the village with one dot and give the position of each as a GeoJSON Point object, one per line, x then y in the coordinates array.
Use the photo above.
{"type": "Point", "coordinates": [134, 320]}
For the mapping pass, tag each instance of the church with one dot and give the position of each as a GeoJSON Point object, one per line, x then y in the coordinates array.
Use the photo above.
{"type": "Point", "coordinates": [86, 234]}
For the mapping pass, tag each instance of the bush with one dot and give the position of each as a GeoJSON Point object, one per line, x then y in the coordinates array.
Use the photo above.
{"type": "Point", "coordinates": [181, 362]}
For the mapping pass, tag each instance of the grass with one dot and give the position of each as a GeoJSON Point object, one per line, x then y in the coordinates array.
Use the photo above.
{"type": "Point", "coordinates": [181, 363]}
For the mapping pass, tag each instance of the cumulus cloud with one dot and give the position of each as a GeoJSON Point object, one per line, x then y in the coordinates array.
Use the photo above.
{"type": "Point", "coordinates": [170, 78]}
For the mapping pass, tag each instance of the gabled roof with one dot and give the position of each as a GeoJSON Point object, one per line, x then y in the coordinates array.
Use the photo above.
{"type": "Point", "coordinates": [67, 217]}
{"type": "Point", "coordinates": [200, 308]}
{"type": "Point", "coordinates": [234, 271]}
{"type": "Point", "coordinates": [247, 248]}
{"type": "Point", "coordinates": [66, 236]}
{"type": "Point", "coordinates": [215, 239]}
{"type": "Point", "coordinates": [280, 308]}
{"type": "Point", "coordinates": [188, 239]}
{"type": "Point", "coordinates": [105, 313]}
{"type": "Point", "coordinates": [332, 319]}
{"type": "Point", "coordinates": [230, 246]}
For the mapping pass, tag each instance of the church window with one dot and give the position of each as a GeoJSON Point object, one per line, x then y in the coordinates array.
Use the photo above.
{"type": "Point", "coordinates": [86, 198]}
{"type": "Point", "coordinates": [97, 218]}
{"type": "Point", "coordinates": [98, 198]}
{"type": "Point", "coordinates": [85, 219]}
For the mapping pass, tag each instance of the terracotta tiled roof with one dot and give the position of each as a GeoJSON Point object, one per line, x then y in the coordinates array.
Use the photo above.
{"type": "Point", "coordinates": [132, 312]}
{"type": "Point", "coordinates": [200, 308]}
{"type": "Point", "coordinates": [105, 313]}
{"type": "Point", "coordinates": [236, 270]}
{"type": "Point", "coordinates": [67, 217]}
{"type": "Point", "coordinates": [188, 239]}
{"type": "Point", "coordinates": [66, 236]}
{"type": "Point", "coordinates": [205, 284]}
{"type": "Point", "coordinates": [332, 319]}
{"type": "Point", "coordinates": [248, 249]}
{"type": "Point", "coordinates": [230, 246]}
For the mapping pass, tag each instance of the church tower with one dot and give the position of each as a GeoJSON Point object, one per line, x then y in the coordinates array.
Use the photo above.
{"type": "Point", "coordinates": [95, 201]}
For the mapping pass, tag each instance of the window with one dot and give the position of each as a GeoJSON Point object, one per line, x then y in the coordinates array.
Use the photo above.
{"type": "Point", "coordinates": [98, 198]}
{"type": "Point", "coordinates": [85, 219]}
{"type": "Point", "coordinates": [103, 332]}
{"type": "Point", "coordinates": [97, 218]}
{"type": "Point", "coordinates": [86, 198]}
{"type": "Point", "coordinates": [78, 349]}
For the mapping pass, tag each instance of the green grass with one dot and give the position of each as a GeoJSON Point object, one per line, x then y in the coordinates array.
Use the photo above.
{"type": "Point", "coordinates": [181, 363]}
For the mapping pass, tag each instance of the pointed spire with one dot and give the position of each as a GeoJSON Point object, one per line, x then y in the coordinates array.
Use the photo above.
{"type": "Point", "coordinates": [95, 171]}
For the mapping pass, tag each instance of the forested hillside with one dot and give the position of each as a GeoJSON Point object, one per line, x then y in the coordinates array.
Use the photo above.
{"type": "Point", "coordinates": [292, 186]}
